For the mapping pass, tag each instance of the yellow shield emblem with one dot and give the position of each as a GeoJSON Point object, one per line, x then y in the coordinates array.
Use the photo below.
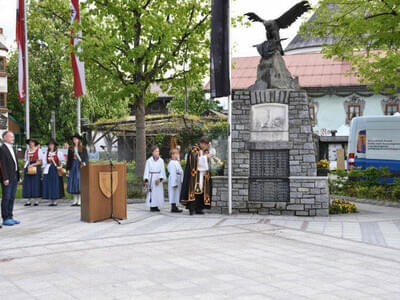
{"type": "Point", "coordinates": [105, 183]}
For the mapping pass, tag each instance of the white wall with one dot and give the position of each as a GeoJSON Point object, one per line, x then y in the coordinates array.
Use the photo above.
{"type": "Point", "coordinates": [331, 114]}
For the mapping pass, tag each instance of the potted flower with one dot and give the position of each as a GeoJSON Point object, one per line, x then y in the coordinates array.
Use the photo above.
{"type": "Point", "coordinates": [323, 167]}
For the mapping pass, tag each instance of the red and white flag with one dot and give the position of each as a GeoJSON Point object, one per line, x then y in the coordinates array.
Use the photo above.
{"type": "Point", "coordinates": [20, 37]}
{"type": "Point", "coordinates": [78, 66]}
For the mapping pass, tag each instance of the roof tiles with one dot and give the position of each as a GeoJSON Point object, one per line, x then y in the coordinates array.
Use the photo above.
{"type": "Point", "coordinates": [312, 69]}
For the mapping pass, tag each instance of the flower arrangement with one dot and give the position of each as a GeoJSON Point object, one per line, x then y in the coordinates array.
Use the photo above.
{"type": "Point", "coordinates": [323, 163]}
{"type": "Point", "coordinates": [342, 207]}
{"type": "Point", "coordinates": [323, 167]}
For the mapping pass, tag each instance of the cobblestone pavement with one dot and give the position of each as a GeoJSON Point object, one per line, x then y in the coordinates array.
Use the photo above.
{"type": "Point", "coordinates": [52, 255]}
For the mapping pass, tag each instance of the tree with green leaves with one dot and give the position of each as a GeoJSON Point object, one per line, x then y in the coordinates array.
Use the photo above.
{"type": "Point", "coordinates": [133, 44]}
{"type": "Point", "coordinates": [50, 79]}
{"type": "Point", "coordinates": [366, 33]}
{"type": "Point", "coordinates": [195, 100]}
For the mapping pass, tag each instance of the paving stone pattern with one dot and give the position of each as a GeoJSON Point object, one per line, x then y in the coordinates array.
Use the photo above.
{"type": "Point", "coordinates": [52, 255]}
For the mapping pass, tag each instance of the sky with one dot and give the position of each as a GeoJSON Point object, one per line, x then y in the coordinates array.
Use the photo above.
{"type": "Point", "coordinates": [242, 37]}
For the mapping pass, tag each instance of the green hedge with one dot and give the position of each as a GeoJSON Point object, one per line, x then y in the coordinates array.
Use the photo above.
{"type": "Point", "coordinates": [365, 184]}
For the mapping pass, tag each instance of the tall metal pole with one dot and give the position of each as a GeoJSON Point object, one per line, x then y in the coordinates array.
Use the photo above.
{"type": "Point", "coordinates": [78, 115]}
{"type": "Point", "coordinates": [26, 66]}
{"type": "Point", "coordinates": [230, 120]}
{"type": "Point", "coordinates": [53, 124]}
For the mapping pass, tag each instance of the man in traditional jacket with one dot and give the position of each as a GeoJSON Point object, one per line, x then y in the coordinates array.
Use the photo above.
{"type": "Point", "coordinates": [196, 186]}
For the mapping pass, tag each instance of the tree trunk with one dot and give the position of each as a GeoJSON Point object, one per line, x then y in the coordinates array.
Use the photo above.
{"type": "Point", "coordinates": [140, 136]}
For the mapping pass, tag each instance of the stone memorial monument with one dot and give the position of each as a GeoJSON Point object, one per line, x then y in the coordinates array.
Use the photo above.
{"type": "Point", "coordinates": [273, 153]}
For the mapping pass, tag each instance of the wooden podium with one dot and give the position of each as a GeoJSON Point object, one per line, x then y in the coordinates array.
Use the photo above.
{"type": "Point", "coordinates": [96, 192]}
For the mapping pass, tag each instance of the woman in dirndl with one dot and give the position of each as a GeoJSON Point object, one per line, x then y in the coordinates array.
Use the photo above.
{"type": "Point", "coordinates": [52, 162]}
{"type": "Point", "coordinates": [77, 157]}
{"type": "Point", "coordinates": [31, 186]}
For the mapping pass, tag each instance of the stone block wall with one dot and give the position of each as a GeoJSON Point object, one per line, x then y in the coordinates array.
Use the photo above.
{"type": "Point", "coordinates": [308, 194]}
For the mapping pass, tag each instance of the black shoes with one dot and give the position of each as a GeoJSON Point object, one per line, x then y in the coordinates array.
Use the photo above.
{"type": "Point", "coordinates": [36, 204]}
{"type": "Point", "coordinates": [75, 204]}
{"type": "Point", "coordinates": [27, 204]}
{"type": "Point", "coordinates": [175, 209]}
{"type": "Point", "coordinates": [154, 209]}
{"type": "Point", "coordinates": [53, 204]}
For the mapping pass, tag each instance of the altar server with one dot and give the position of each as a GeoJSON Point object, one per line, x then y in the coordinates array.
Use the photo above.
{"type": "Point", "coordinates": [31, 187]}
{"type": "Point", "coordinates": [175, 179]}
{"type": "Point", "coordinates": [154, 175]}
{"type": "Point", "coordinates": [77, 157]}
{"type": "Point", "coordinates": [52, 162]}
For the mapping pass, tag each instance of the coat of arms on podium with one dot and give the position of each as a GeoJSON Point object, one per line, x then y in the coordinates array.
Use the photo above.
{"type": "Point", "coordinates": [105, 183]}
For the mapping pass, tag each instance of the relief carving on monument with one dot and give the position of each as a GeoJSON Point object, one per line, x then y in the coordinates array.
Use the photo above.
{"type": "Point", "coordinates": [269, 122]}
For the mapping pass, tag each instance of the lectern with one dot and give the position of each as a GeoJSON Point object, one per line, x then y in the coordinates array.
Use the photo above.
{"type": "Point", "coordinates": [96, 192]}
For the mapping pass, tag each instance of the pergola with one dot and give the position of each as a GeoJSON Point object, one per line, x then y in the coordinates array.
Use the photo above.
{"type": "Point", "coordinates": [168, 125]}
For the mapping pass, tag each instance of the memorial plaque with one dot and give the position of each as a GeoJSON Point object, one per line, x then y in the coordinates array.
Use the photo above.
{"type": "Point", "coordinates": [269, 164]}
{"type": "Point", "coordinates": [269, 173]}
{"type": "Point", "coordinates": [269, 190]}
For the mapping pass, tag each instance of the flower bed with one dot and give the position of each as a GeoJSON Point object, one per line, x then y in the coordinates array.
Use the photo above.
{"type": "Point", "coordinates": [342, 207]}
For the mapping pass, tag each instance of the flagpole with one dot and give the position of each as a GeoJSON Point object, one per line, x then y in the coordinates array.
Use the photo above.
{"type": "Point", "coordinates": [230, 119]}
{"type": "Point", "coordinates": [78, 115]}
{"type": "Point", "coordinates": [26, 66]}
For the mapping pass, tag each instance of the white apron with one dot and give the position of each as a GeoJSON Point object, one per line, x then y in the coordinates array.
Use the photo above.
{"type": "Point", "coordinates": [175, 180]}
{"type": "Point", "coordinates": [154, 170]}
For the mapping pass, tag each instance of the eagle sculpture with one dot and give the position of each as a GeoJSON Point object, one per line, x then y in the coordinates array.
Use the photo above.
{"type": "Point", "coordinates": [273, 26]}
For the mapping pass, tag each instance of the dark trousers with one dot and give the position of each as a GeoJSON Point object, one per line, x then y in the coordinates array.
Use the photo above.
{"type": "Point", "coordinates": [198, 204]}
{"type": "Point", "coordinates": [7, 201]}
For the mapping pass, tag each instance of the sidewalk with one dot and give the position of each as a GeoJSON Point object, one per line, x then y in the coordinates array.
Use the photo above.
{"type": "Point", "coordinates": [53, 255]}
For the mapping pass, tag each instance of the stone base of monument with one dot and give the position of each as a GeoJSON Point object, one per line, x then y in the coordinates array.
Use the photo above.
{"type": "Point", "coordinates": [273, 157]}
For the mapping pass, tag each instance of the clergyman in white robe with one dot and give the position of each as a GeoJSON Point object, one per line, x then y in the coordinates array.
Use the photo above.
{"type": "Point", "coordinates": [175, 180]}
{"type": "Point", "coordinates": [154, 170]}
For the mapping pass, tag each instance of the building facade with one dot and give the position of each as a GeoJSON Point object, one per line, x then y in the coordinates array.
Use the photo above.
{"type": "Point", "coordinates": [336, 96]}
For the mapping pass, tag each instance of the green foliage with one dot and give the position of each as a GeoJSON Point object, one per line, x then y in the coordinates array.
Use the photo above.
{"type": "Point", "coordinates": [364, 184]}
{"type": "Point", "coordinates": [342, 207]}
{"type": "Point", "coordinates": [395, 192]}
{"type": "Point", "coordinates": [218, 129]}
{"type": "Point", "coordinates": [191, 136]}
{"type": "Point", "coordinates": [51, 83]}
{"type": "Point", "coordinates": [366, 35]}
{"type": "Point", "coordinates": [159, 138]}
{"type": "Point", "coordinates": [197, 102]}
{"type": "Point", "coordinates": [183, 164]}
{"type": "Point", "coordinates": [134, 183]}
{"type": "Point", "coordinates": [134, 44]}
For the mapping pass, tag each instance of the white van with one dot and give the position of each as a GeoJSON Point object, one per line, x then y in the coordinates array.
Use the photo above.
{"type": "Point", "coordinates": [375, 142]}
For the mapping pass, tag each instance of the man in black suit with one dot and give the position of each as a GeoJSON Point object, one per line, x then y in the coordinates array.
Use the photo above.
{"type": "Point", "coordinates": [9, 178]}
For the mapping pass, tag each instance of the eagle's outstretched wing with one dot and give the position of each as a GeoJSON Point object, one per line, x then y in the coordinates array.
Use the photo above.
{"type": "Point", "coordinates": [292, 14]}
{"type": "Point", "coordinates": [253, 17]}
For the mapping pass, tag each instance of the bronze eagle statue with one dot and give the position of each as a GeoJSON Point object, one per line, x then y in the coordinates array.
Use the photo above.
{"type": "Point", "coordinates": [284, 21]}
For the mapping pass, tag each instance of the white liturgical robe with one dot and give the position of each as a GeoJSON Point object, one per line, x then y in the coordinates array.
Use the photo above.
{"type": "Point", "coordinates": [175, 180]}
{"type": "Point", "coordinates": [154, 170]}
